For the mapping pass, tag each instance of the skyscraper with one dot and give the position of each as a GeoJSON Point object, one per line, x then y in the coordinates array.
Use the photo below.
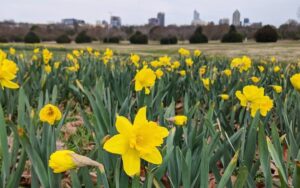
{"type": "Point", "coordinates": [236, 18]}
{"type": "Point", "coordinates": [196, 15]}
{"type": "Point", "coordinates": [161, 19]}
{"type": "Point", "coordinates": [153, 21]}
{"type": "Point", "coordinates": [246, 21]}
{"type": "Point", "coordinates": [196, 19]}
{"type": "Point", "coordinates": [115, 21]}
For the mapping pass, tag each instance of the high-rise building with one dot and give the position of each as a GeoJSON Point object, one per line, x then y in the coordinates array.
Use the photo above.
{"type": "Point", "coordinates": [161, 19]}
{"type": "Point", "coordinates": [246, 22]}
{"type": "Point", "coordinates": [153, 21]}
{"type": "Point", "coordinates": [115, 21]}
{"type": "Point", "coordinates": [224, 21]}
{"type": "Point", "coordinates": [196, 19]}
{"type": "Point", "coordinates": [196, 15]}
{"type": "Point", "coordinates": [72, 21]}
{"type": "Point", "coordinates": [236, 18]}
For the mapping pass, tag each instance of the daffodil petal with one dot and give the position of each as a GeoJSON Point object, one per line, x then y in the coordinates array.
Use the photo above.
{"type": "Point", "coordinates": [140, 117]}
{"type": "Point", "coordinates": [9, 84]}
{"type": "Point", "coordinates": [153, 157]}
{"type": "Point", "coordinates": [123, 125]}
{"type": "Point", "coordinates": [118, 144]}
{"type": "Point", "coordinates": [131, 162]}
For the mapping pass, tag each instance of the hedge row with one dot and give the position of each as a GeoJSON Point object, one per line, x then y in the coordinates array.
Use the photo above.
{"type": "Point", "coordinates": [264, 34]}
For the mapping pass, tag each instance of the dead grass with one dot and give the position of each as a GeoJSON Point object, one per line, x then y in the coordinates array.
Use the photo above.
{"type": "Point", "coordinates": [282, 50]}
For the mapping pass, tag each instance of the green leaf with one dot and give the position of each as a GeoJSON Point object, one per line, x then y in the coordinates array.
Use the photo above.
{"type": "Point", "coordinates": [264, 156]}
{"type": "Point", "coordinates": [229, 170]}
{"type": "Point", "coordinates": [276, 158]}
{"type": "Point", "coordinates": [4, 147]}
{"type": "Point", "coordinates": [242, 177]}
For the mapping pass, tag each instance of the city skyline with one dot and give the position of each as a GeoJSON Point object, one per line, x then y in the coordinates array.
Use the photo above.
{"type": "Point", "coordinates": [176, 12]}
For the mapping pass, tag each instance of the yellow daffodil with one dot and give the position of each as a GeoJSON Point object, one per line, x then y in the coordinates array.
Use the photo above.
{"type": "Point", "coordinates": [189, 62]}
{"type": "Point", "coordinates": [76, 53]}
{"type": "Point", "coordinates": [295, 80]}
{"type": "Point", "coordinates": [135, 59]}
{"type": "Point", "coordinates": [56, 64]}
{"type": "Point", "coordinates": [159, 73]}
{"type": "Point", "coordinates": [197, 53]}
{"type": "Point", "coordinates": [202, 70]}
{"type": "Point", "coordinates": [108, 53]}
{"type": "Point", "coordinates": [224, 97]}
{"type": "Point", "coordinates": [255, 79]}
{"type": "Point", "coordinates": [36, 50]}
{"type": "Point", "coordinates": [64, 160]}
{"type": "Point", "coordinates": [155, 64]}
{"type": "Point", "coordinates": [8, 71]}
{"type": "Point", "coordinates": [277, 89]}
{"type": "Point", "coordinates": [145, 79]}
{"type": "Point", "coordinates": [264, 104]}
{"type": "Point", "coordinates": [50, 113]}
{"type": "Point", "coordinates": [273, 59]}
{"type": "Point", "coordinates": [12, 51]}
{"type": "Point", "coordinates": [206, 83]}
{"type": "Point", "coordinates": [184, 52]}
{"type": "Point", "coordinates": [227, 72]}
{"type": "Point", "coordinates": [47, 56]}
{"type": "Point", "coordinates": [176, 65]}
{"type": "Point", "coordinates": [61, 161]}
{"type": "Point", "coordinates": [243, 64]}
{"type": "Point", "coordinates": [261, 68]}
{"type": "Point", "coordinates": [276, 69]}
{"type": "Point", "coordinates": [254, 99]}
{"type": "Point", "coordinates": [179, 120]}
{"type": "Point", "coordinates": [48, 69]}
{"type": "Point", "coordinates": [182, 73]}
{"type": "Point", "coordinates": [165, 60]}
{"type": "Point", "coordinates": [89, 50]}
{"type": "Point", "coordinates": [137, 141]}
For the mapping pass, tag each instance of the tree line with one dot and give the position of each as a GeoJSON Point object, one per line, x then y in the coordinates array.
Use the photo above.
{"type": "Point", "coordinates": [23, 32]}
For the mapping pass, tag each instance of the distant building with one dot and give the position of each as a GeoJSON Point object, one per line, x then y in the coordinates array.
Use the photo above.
{"type": "Point", "coordinates": [196, 15]}
{"type": "Point", "coordinates": [102, 23]}
{"type": "Point", "coordinates": [256, 24]}
{"type": "Point", "coordinates": [224, 21]}
{"type": "Point", "coordinates": [161, 19]}
{"type": "Point", "coordinates": [236, 18]}
{"type": "Point", "coordinates": [115, 21]}
{"type": "Point", "coordinates": [196, 19]}
{"type": "Point", "coordinates": [153, 21]}
{"type": "Point", "coordinates": [246, 22]}
{"type": "Point", "coordinates": [72, 21]}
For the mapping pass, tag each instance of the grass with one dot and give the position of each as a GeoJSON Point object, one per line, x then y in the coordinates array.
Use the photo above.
{"type": "Point", "coordinates": [282, 50]}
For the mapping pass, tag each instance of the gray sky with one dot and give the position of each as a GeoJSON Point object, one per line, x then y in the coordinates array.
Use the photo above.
{"type": "Point", "coordinates": [135, 12]}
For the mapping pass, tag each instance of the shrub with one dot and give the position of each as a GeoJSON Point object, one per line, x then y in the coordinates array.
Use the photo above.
{"type": "Point", "coordinates": [63, 39]}
{"type": "Point", "coordinates": [232, 36]}
{"type": "Point", "coordinates": [3, 40]}
{"type": "Point", "coordinates": [266, 34]}
{"type": "Point", "coordinates": [82, 37]}
{"type": "Point", "coordinates": [169, 40]}
{"type": "Point", "coordinates": [138, 38]}
{"type": "Point", "coordinates": [31, 37]}
{"type": "Point", "coordinates": [17, 39]}
{"type": "Point", "coordinates": [198, 37]}
{"type": "Point", "coordinates": [115, 40]}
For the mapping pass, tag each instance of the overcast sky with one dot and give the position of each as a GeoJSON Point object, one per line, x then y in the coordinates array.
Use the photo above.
{"type": "Point", "coordinates": [135, 12]}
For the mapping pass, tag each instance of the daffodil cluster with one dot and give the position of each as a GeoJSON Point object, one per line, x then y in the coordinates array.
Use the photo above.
{"type": "Point", "coordinates": [8, 72]}
{"type": "Point", "coordinates": [253, 98]}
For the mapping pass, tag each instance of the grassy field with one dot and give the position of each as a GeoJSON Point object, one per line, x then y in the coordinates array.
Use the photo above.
{"type": "Point", "coordinates": [282, 50]}
{"type": "Point", "coordinates": [80, 118]}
